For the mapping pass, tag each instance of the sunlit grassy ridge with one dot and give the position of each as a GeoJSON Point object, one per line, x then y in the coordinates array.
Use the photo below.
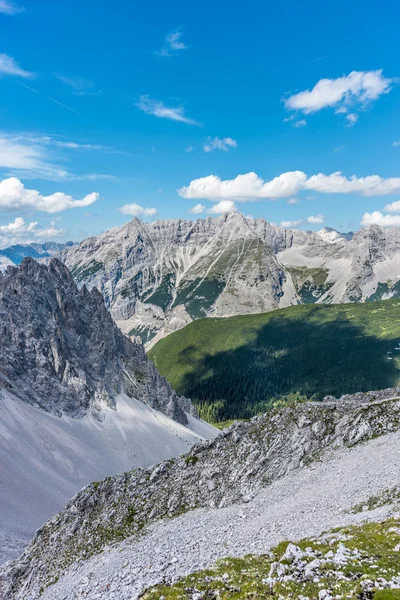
{"type": "Point", "coordinates": [356, 562]}
{"type": "Point", "coordinates": [236, 367]}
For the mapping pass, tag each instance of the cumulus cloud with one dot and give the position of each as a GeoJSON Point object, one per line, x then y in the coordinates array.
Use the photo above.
{"type": "Point", "coordinates": [377, 218]}
{"type": "Point", "coordinates": [393, 207]}
{"type": "Point", "coordinates": [158, 109]}
{"type": "Point", "coordinates": [250, 187]}
{"type": "Point", "coordinates": [197, 210]}
{"type": "Point", "coordinates": [8, 7]}
{"type": "Point", "coordinates": [8, 66]}
{"type": "Point", "coordinates": [15, 196]}
{"type": "Point", "coordinates": [18, 231]}
{"type": "Point", "coordinates": [357, 88]}
{"type": "Point", "coordinates": [225, 206]}
{"type": "Point", "coordinates": [135, 210]}
{"type": "Point", "coordinates": [173, 44]}
{"type": "Point", "coordinates": [336, 183]}
{"type": "Point", "coordinates": [291, 224]}
{"type": "Point", "coordinates": [317, 219]}
{"type": "Point", "coordinates": [219, 144]}
{"type": "Point", "coordinates": [244, 187]}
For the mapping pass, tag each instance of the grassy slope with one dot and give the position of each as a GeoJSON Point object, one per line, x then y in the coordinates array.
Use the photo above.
{"type": "Point", "coordinates": [234, 367]}
{"type": "Point", "coordinates": [248, 577]}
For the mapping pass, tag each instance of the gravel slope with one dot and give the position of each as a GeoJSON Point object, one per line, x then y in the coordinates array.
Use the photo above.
{"type": "Point", "coordinates": [47, 459]}
{"type": "Point", "coordinates": [303, 503]}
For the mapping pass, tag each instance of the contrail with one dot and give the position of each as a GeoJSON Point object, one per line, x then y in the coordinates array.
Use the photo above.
{"type": "Point", "coordinates": [27, 87]}
{"type": "Point", "coordinates": [64, 105]}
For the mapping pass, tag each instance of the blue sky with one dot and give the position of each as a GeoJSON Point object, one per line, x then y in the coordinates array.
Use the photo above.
{"type": "Point", "coordinates": [157, 108]}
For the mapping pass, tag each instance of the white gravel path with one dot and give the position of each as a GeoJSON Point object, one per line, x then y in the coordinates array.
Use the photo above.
{"type": "Point", "coordinates": [301, 504]}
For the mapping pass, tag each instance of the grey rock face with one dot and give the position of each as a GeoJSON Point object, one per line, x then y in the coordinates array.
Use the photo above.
{"type": "Point", "coordinates": [229, 469]}
{"type": "Point", "coordinates": [60, 349]}
{"type": "Point", "coordinates": [156, 277]}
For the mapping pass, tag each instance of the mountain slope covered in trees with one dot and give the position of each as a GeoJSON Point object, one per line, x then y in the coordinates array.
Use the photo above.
{"type": "Point", "coordinates": [236, 367]}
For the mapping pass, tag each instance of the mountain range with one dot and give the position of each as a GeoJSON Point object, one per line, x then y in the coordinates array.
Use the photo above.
{"type": "Point", "coordinates": [157, 277]}
{"type": "Point", "coordinates": [14, 255]}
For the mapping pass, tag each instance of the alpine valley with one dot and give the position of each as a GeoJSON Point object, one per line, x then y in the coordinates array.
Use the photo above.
{"type": "Point", "coordinates": [157, 277]}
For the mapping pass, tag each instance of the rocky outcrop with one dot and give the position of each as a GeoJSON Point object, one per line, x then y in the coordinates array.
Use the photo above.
{"type": "Point", "coordinates": [229, 469]}
{"type": "Point", "coordinates": [156, 277]}
{"type": "Point", "coordinates": [61, 351]}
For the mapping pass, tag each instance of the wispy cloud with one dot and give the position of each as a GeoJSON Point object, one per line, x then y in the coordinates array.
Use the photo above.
{"type": "Point", "coordinates": [293, 201]}
{"type": "Point", "coordinates": [291, 224]}
{"type": "Point", "coordinates": [15, 196]}
{"type": "Point", "coordinates": [77, 83]}
{"type": "Point", "coordinates": [33, 156]}
{"type": "Point", "coordinates": [351, 118]}
{"type": "Point", "coordinates": [359, 88]}
{"type": "Point", "coordinates": [8, 66]}
{"type": "Point", "coordinates": [173, 44]}
{"type": "Point", "coordinates": [396, 144]}
{"type": "Point", "coordinates": [135, 210]}
{"type": "Point", "coordinates": [8, 7]}
{"type": "Point", "coordinates": [219, 144]}
{"type": "Point", "coordinates": [158, 109]}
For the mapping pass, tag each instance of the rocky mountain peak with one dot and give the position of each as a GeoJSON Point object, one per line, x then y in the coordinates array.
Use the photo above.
{"type": "Point", "coordinates": [60, 349]}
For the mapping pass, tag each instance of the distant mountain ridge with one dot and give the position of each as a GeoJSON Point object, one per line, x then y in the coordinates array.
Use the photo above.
{"type": "Point", "coordinates": [157, 277]}
{"type": "Point", "coordinates": [14, 255]}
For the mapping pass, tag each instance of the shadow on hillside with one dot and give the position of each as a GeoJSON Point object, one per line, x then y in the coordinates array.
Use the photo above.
{"type": "Point", "coordinates": [305, 356]}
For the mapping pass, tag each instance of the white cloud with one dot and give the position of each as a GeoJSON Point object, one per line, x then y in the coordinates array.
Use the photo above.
{"type": "Point", "coordinates": [393, 207]}
{"type": "Point", "coordinates": [219, 144]}
{"type": "Point", "coordinates": [14, 196]}
{"type": "Point", "coordinates": [352, 118]}
{"type": "Point", "coordinates": [8, 66]}
{"type": "Point", "coordinates": [357, 88]}
{"type": "Point", "coordinates": [317, 219]}
{"type": "Point", "coordinates": [173, 44]}
{"type": "Point", "coordinates": [244, 187]}
{"type": "Point", "coordinates": [8, 7]}
{"type": "Point", "coordinates": [197, 210]}
{"type": "Point", "coordinates": [396, 144]}
{"type": "Point", "coordinates": [189, 149]}
{"type": "Point", "coordinates": [293, 201]}
{"type": "Point", "coordinates": [301, 123]}
{"type": "Point", "coordinates": [28, 155]}
{"type": "Point", "coordinates": [291, 224]}
{"type": "Point", "coordinates": [336, 183]}
{"type": "Point", "coordinates": [158, 109]}
{"type": "Point", "coordinates": [19, 231]}
{"type": "Point", "coordinates": [250, 186]}
{"type": "Point", "coordinates": [75, 82]}
{"type": "Point", "coordinates": [377, 218]}
{"type": "Point", "coordinates": [135, 210]}
{"type": "Point", "coordinates": [16, 154]}
{"type": "Point", "coordinates": [225, 206]}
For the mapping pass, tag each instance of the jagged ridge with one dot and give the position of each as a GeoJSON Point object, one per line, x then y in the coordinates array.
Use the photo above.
{"type": "Point", "coordinates": [60, 349]}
